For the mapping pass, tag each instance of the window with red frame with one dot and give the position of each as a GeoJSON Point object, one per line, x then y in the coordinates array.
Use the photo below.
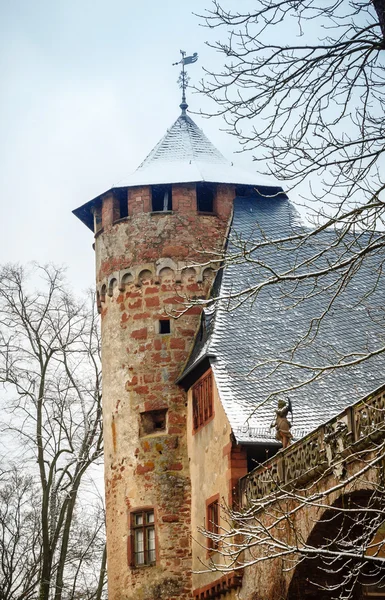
{"type": "Point", "coordinates": [143, 538]}
{"type": "Point", "coordinates": [202, 400]}
{"type": "Point", "coordinates": [213, 523]}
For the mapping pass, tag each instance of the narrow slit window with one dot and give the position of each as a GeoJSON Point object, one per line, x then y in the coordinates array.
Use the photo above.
{"type": "Point", "coordinates": [97, 211]}
{"type": "Point", "coordinates": [123, 206]}
{"type": "Point", "coordinates": [205, 197]}
{"type": "Point", "coordinates": [164, 326]}
{"type": "Point", "coordinates": [161, 198]}
{"type": "Point", "coordinates": [121, 195]}
{"type": "Point", "coordinates": [213, 524]}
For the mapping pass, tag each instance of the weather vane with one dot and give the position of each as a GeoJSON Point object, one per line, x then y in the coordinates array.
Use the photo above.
{"type": "Point", "coordinates": [183, 78]}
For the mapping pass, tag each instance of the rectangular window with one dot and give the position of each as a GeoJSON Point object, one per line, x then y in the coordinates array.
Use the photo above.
{"type": "Point", "coordinates": [205, 197]}
{"type": "Point", "coordinates": [123, 205]}
{"type": "Point", "coordinates": [161, 198]}
{"type": "Point", "coordinates": [202, 401]}
{"type": "Point", "coordinates": [212, 514]}
{"type": "Point", "coordinates": [143, 527]}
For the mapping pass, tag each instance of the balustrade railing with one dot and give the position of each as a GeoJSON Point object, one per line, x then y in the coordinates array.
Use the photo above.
{"type": "Point", "coordinates": [357, 426]}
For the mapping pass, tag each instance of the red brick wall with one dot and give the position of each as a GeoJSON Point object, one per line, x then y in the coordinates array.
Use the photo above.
{"type": "Point", "coordinates": [139, 199]}
{"type": "Point", "coordinates": [110, 210]}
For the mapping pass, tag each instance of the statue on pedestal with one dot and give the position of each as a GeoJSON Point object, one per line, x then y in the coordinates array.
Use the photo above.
{"type": "Point", "coordinates": [282, 424]}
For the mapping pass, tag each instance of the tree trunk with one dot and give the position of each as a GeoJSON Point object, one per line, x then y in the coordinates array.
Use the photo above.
{"type": "Point", "coordinates": [100, 588]}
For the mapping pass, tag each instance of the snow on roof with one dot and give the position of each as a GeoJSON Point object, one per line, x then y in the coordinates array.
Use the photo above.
{"type": "Point", "coordinates": [185, 154]}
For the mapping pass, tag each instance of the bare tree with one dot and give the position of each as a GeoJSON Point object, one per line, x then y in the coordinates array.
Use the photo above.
{"type": "Point", "coordinates": [309, 104]}
{"type": "Point", "coordinates": [20, 540]}
{"type": "Point", "coordinates": [302, 89]}
{"type": "Point", "coordinates": [51, 380]}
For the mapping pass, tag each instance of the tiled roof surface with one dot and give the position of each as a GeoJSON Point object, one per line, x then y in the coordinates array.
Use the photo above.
{"type": "Point", "coordinates": [268, 326]}
{"type": "Point", "coordinates": [185, 154]}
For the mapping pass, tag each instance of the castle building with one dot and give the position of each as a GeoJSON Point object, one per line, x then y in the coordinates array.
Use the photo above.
{"type": "Point", "coordinates": [157, 238]}
{"type": "Point", "coordinates": [179, 394]}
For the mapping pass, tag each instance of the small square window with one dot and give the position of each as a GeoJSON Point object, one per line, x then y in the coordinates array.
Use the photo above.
{"type": "Point", "coordinates": [164, 326]}
{"type": "Point", "coordinates": [153, 421]}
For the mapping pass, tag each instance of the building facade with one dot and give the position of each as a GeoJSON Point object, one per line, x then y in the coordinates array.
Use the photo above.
{"type": "Point", "coordinates": [157, 243]}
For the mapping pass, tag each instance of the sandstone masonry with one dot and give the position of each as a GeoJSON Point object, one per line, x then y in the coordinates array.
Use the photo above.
{"type": "Point", "coordinates": [148, 266]}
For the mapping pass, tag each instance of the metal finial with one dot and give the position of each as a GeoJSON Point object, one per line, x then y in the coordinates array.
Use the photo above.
{"type": "Point", "coordinates": [183, 78]}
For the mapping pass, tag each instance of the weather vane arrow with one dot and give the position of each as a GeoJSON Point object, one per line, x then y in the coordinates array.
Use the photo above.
{"type": "Point", "coordinates": [186, 60]}
{"type": "Point", "coordinates": [183, 77]}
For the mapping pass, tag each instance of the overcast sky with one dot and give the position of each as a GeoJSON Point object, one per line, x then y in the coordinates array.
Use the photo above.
{"type": "Point", "coordinates": [87, 89]}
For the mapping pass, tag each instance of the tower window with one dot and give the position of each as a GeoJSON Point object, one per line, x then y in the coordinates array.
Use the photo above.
{"type": "Point", "coordinates": [123, 206]}
{"type": "Point", "coordinates": [164, 326]}
{"type": "Point", "coordinates": [97, 211]}
{"type": "Point", "coordinates": [143, 542]}
{"type": "Point", "coordinates": [153, 421]}
{"type": "Point", "coordinates": [244, 191]}
{"type": "Point", "coordinates": [202, 401]}
{"type": "Point", "coordinates": [161, 198]}
{"type": "Point", "coordinates": [121, 195]}
{"type": "Point", "coordinates": [212, 516]}
{"type": "Point", "coordinates": [205, 197]}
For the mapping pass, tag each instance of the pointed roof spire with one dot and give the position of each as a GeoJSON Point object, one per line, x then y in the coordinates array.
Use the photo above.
{"type": "Point", "coordinates": [185, 154]}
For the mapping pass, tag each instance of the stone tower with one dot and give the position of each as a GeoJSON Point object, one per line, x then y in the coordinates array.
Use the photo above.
{"type": "Point", "coordinates": [155, 236]}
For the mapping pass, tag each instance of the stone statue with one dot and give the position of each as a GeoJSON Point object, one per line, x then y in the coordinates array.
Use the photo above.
{"type": "Point", "coordinates": [282, 424]}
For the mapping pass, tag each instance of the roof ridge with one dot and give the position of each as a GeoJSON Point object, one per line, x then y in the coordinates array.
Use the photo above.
{"type": "Point", "coordinates": [188, 120]}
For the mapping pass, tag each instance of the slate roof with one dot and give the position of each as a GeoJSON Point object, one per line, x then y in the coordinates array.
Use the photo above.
{"type": "Point", "coordinates": [184, 155]}
{"type": "Point", "coordinates": [267, 326]}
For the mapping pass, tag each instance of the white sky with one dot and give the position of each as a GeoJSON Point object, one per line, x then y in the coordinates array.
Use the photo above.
{"type": "Point", "coordinates": [87, 89]}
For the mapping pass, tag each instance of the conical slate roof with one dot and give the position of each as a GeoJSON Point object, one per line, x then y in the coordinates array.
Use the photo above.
{"type": "Point", "coordinates": [184, 141]}
{"type": "Point", "coordinates": [185, 155]}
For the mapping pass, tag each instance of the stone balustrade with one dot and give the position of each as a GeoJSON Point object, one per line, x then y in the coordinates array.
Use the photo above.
{"type": "Point", "coordinates": [358, 426]}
